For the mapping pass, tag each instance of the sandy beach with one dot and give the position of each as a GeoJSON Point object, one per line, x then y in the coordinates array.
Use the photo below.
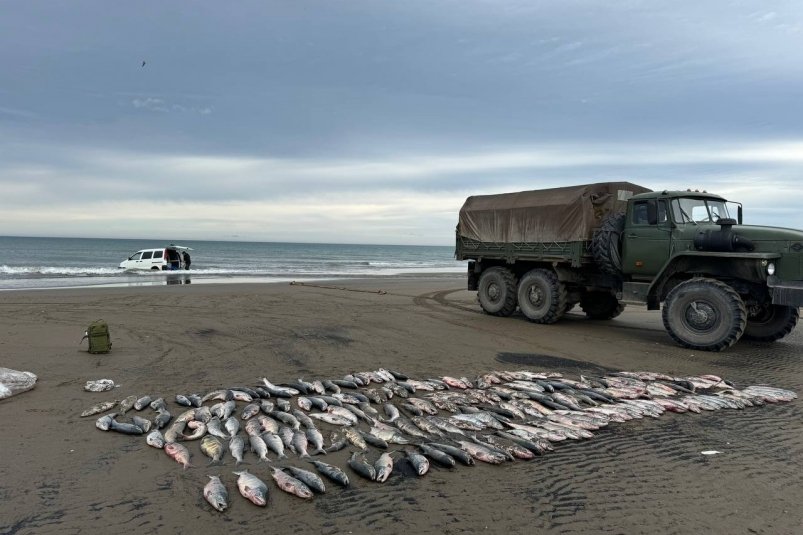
{"type": "Point", "coordinates": [62, 475]}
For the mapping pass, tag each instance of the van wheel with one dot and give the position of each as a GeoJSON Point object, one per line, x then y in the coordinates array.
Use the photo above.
{"type": "Point", "coordinates": [154, 268]}
{"type": "Point", "coordinates": [542, 297]}
{"type": "Point", "coordinates": [601, 306]}
{"type": "Point", "coordinates": [497, 291]}
{"type": "Point", "coordinates": [704, 314]}
{"type": "Point", "coordinates": [770, 323]}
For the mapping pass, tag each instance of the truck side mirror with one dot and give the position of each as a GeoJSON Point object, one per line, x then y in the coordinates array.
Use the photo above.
{"type": "Point", "coordinates": [652, 212]}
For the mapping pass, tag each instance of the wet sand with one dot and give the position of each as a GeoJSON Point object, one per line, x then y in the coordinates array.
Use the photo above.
{"type": "Point", "coordinates": [61, 475]}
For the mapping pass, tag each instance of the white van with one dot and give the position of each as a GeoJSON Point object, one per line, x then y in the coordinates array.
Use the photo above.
{"type": "Point", "coordinates": [170, 258]}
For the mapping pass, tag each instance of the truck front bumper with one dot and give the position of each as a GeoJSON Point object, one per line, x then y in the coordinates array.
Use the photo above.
{"type": "Point", "coordinates": [789, 293]}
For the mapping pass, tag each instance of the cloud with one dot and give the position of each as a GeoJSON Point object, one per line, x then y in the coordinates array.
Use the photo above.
{"type": "Point", "coordinates": [160, 105]}
{"type": "Point", "coordinates": [404, 198]}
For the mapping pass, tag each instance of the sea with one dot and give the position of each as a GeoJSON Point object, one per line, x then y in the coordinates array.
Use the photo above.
{"type": "Point", "coordinates": [42, 263]}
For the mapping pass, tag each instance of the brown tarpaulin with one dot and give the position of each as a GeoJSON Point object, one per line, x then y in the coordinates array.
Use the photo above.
{"type": "Point", "coordinates": [547, 215]}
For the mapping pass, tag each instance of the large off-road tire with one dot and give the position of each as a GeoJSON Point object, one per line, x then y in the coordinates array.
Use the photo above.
{"type": "Point", "coordinates": [542, 297]}
{"type": "Point", "coordinates": [601, 306]}
{"type": "Point", "coordinates": [606, 243]}
{"type": "Point", "coordinates": [497, 291]}
{"type": "Point", "coordinates": [770, 323]}
{"type": "Point", "coordinates": [704, 314]}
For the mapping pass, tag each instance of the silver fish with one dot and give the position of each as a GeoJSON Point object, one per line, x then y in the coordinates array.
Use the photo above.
{"type": "Point", "coordinates": [308, 478]}
{"type": "Point", "coordinates": [127, 404]}
{"type": "Point", "coordinates": [232, 425]}
{"type": "Point", "coordinates": [305, 420]}
{"type": "Point", "coordinates": [280, 391]}
{"type": "Point", "coordinates": [142, 423]}
{"type": "Point", "coordinates": [274, 442]}
{"type": "Point", "coordinates": [162, 418]}
{"type": "Point", "coordinates": [315, 438]}
{"type": "Point", "coordinates": [331, 418]}
{"type": "Point", "coordinates": [237, 448]}
{"type": "Point", "coordinates": [332, 472]}
{"type": "Point", "coordinates": [384, 467]}
{"type": "Point", "coordinates": [104, 422]}
{"type": "Point", "coordinates": [123, 427]}
{"type": "Point", "coordinates": [213, 427]}
{"type": "Point", "coordinates": [391, 437]}
{"type": "Point", "coordinates": [249, 411]}
{"type": "Point", "coordinates": [252, 488]}
{"type": "Point", "coordinates": [155, 439]}
{"type": "Point", "coordinates": [216, 494]}
{"type": "Point", "coordinates": [259, 447]}
{"type": "Point", "coordinates": [419, 462]}
{"type": "Point", "coordinates": [287, 418]}
{"type": "Point", "coordinates": [290, 484]}
{"type": "Point", "coordinates": [361, 466]}
{"type": "Point", "coordinates": [99, 407]}
{"type": "Point", "coordinates": [142, 402]}
{"type": "Point", "coordinates": [300, 443]}
{"type": "Point", "coordinates": [392, 412]}
{"type": "Point", "coordinates": [355, 438]}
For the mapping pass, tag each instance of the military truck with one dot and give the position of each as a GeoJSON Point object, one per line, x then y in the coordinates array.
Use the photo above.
{"type": "Point", "coordinates": [607, 245]}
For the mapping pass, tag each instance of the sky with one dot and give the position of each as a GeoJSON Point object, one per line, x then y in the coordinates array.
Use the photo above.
{"type": "Point", "coordinates": [372, 121]}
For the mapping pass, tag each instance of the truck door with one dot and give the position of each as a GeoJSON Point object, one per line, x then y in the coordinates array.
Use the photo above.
{"type": "Point", "coordinates": [646, 238]}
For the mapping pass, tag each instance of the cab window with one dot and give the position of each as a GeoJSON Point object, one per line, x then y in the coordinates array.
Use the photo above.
{"type": "Point", "coordinates": [662, 212]}
{"type": "Point", "coordinates": [640, 214]}
{"type": "Point", "coordinates": [146, 255]}
{"type": "Point", "coordinates": [136, 256]}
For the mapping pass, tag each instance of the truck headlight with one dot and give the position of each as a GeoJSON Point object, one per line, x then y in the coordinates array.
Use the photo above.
{"type": "Point", "coordinates": [771, 268]}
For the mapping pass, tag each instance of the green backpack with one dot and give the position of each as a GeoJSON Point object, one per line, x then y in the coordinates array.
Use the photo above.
{"type": "Point", "coordinates": [98, 335]}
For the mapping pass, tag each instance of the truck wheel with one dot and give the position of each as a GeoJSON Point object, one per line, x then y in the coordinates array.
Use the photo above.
{"type": "Point", "coordinates": [497, 291]}
{"type": "Point", "coordinates": [606, 243]}
{"type": "Point", "coordinates": [704, 314]}
{"type": "Point", "coordinates": [542, 297]}
{"type": "Point", "coordinates": [601, 306]}
{"type": "Point", "coordinates": [771, 323]}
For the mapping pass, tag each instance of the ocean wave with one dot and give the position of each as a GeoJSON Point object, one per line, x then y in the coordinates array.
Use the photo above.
{"type": "Point", "coordinates": [62, 271]}
{"type": "Point", "coordinates": [356, 269]}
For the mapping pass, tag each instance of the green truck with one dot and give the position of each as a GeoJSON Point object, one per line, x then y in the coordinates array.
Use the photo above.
{"type": "Point", "coordinates": [606, 245]}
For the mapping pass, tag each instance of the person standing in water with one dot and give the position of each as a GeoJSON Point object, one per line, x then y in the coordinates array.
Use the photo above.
{"type": "Point", "coordinates": [187, 260]}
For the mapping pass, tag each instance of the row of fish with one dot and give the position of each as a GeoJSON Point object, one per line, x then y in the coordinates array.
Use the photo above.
{"type": "Point", "coordinates": [495, 418]}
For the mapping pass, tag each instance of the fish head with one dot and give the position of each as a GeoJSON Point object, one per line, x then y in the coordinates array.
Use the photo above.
{"type": "Point", "coordinates": [256, 497]}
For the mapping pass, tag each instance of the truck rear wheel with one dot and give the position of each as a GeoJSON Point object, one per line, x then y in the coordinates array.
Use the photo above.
{"type": "Point", "coordinates": [704, 314]}
{"type": "Point", "coordinates": [601, 306]}
{"type": "Point", "coordinates": [770, 323]}
{"type": "Point", "coordinates": [542, 297]}
{"type": "Point", "coordinates": [606, 243]}
{"type": "Point", "coordinates": [497, 291]}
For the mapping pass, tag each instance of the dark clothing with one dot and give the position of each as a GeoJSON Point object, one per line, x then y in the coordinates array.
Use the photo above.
{"type": "Point", "coordinates": [187, 260]}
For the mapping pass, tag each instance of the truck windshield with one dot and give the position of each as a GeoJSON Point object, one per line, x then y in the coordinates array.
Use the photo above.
{"type": "Point", "coordinates": [691, 210]}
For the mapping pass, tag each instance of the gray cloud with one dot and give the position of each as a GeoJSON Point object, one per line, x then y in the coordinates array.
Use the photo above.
{"type": "Point", "coordinates": [276, 103]}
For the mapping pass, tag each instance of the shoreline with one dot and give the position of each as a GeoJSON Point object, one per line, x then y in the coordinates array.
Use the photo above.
{"type": "Point", "coordinates": [189, 278]}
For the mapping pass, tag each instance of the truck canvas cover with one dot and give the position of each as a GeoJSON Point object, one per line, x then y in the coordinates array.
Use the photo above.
{"type": "Point", "coordinates": [548, 215]}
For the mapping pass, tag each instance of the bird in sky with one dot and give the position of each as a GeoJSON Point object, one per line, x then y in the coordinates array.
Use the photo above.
{"type": "Point", "coordinates": [143, 62]}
